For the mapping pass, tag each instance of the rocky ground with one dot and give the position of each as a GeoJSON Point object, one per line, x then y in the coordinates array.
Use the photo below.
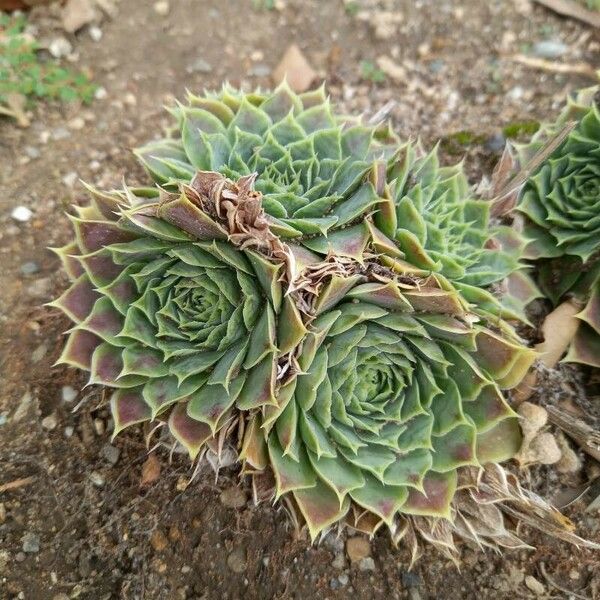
{"type": "Point", "coordinates": [84, 517]}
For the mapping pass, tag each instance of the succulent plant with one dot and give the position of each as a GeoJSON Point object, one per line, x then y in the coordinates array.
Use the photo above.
{"type": "Point", "coordinates": [277, 286]}
{"type": "Point", "coordinates": [561, 203]}
{"type": "Point", "coordinates": [322, 174]}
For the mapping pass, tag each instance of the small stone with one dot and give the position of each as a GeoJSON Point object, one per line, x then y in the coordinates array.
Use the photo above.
{"type": "Point", "coordinates": [111, 454]}
{"type": "Point", "coordinates": [95, 33]}
{"type": "Point", "coordinates": [31, 543]}
{"type": "Point", "coordinates": [60, 47]}
{"type": "Point", "coordinates": [260, 70]}
{"type": "Point", "coordinates": [3, 419]}
{"type": "Point", "coordinates": [516, 93]}
{"type": "Point", "coordinates": [534, 417]}
{"type": "Point", "coordinates": [69, 430]}
{"type": "Point", "coordinates": [339, 562]}
{"type": "Point", "coordinates": [50, 422]}
{"type": "Point", "coordinates": [2, 513]}
{"type": "Point", "coordinates": [101, 93]}
{"type": "Point", "coordinates": [574, 574]}
{"type": "Point", "coordinates": [29, 268]}
{"type": "Point", "coordinates": [70, 179]}
{"type": "Point", "coordinates": [199, 66]}
{"type": "Point", "coordinates": [20, 556]}
{"type": "Point", "coordinates": [358, 548]}
{"type": "Point", "coordinates": [550, 49]}
{"type": "Point", "coordinates": [40, 287]}
{"type": "Point", "coordinates": [60, 133]}
{"type": "Point", "coordinates": [76, 123]}
{"type": "Point", "coordinates": [410, 580]}
{"type": "Point", "coordinates": [334, 584]}
{"type": "Point", "coordinates": [185, 569]}
{"type": "Point", "coordinates": [4, 557]}
{"type": "Point", "coordinates": [236, 561]}
{"type": "Point", "coordinates": [130, 99]}
{"type": "Point", "coordinates": [366, 564]}
{"type": "Point", "coordinates": [68, 393]}
{"type": "Point", "coordinates": [495, 143]}
{"type": "Point", "coordinates": [21, 214]}
{"type": "Point", "coordinates": [60, 597]}
{"type": "Point", "coordinates": [159, 541]}
{"type": "Point", "coordinates": [343, 579]}
{"type": "Point", "coordinates": [534, 585]}
{"type": "Point", "coordinates": [569, 461]}
{"type": "Point", "coordinates": [97, 479]}
{"type": "Point", "coordinates": [265, 561]}
{"type": "Point", "coordinates": [32, 152]}
{"type": "Point", "coordinates": [544, 450]}
{"type": "Point", "coordinates": [76, 14]}
{"type": "Point", "coordinates": [233, 497]}
{"type": "Point", "coordinates": [162, 8]}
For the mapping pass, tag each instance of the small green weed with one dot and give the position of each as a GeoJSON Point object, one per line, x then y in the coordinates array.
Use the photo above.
{"type": "Point", "coordinates": [371, 72]}
{"type": "Point", "coordinates": [24, 74]}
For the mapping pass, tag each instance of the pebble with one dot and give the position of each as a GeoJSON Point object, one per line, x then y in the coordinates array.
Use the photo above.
{"type": "Point", "coordinates": [95, 33]}
{"type": "Point", "coordinates": [550, 49]}
{"type": "Point", "coordinates": [76, 123]}
{"type": "Point", "coordinates": [97, 479]}
{"type": "Point", "coordinates": [130, 99]}
{"type": "Point", "coordinates": [29, 268]}
{"type": "Point", "coordinates": [60, 133]}
{"type": "Point", "coordinates": [358, 548]}
{"type": "Point", "coordinates": [343, 579]}
{"type": "Point", "coordinates": [265, 561]}
{"type": "Point", "coordinates": [3, 419]}
{"type": "Point", "coordinates": [236, 561]}
{"type": "Point", "coordinates": [495, 143]}
{"type": "Point", "coordinates": [39, 288]}
{"type": "Point", "coordinates": [70, 179]}
{"type": "Point", "coordinates": [20, 556]}
{"type": "Point", "coordinates": [68, 393]}
{"type": "Point", "coordinates": [162, 8]}
{"type": "Point", "coordinates": [21, 214]}
{"type": "Point", "coordinates": [366, 564]}
{"type": "Point", "coordinates": [111, 454]}
{"type": "Point", "coordinates": [69, 430]}
{"type": "Point", "coordinates": [199, 66]}
{"type": "Point", "coordinates": [50, 422]}
{"type": "Point", "coordinates": [32, 152]}
{"type": "Point", "coordinates": [101, 93]}
{"type": "Point", "coordinates": [339, 562]}
{"type": "Point", "coordinates": [95, 166]}
{"type": "Point", "coordinates": [39, 353]}
{"type": "Point", "coordinates": [60, 47]}
{"type": "Point", "coordinates": [159, 541]}
{"type": "Point", "coordinates": [233, 497]}
{"type": "Point", "coordinates": [31, 543]}
{"type": "Point", "coordinates": [2, 513]}
{"type": "Point", "coordinates": [185, 569]}
{"type": "Point", "coordinates": [260, 70]}
{"type": "Point", "coordinates": [534, 585]}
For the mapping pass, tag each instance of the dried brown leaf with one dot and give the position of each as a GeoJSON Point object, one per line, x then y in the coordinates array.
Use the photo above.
{"type": "Point", "coordinates": [296, 69]}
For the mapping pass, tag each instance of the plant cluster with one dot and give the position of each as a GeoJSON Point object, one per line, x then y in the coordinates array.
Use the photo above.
{"type": "Point", "coordinates": [329, 296]}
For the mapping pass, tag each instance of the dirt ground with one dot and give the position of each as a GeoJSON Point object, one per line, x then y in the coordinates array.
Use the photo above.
{"type": "Point", "coordinates": [82, 524]}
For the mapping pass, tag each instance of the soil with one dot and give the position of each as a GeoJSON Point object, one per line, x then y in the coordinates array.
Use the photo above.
{"type": "Point", "coordinates": [82, 521]}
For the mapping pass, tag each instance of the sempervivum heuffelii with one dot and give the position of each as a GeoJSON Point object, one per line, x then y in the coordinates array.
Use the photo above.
{"type": "Point", "coordinates": [289, 282]}
{"type": "Point", "coordinates": [561, 203]}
